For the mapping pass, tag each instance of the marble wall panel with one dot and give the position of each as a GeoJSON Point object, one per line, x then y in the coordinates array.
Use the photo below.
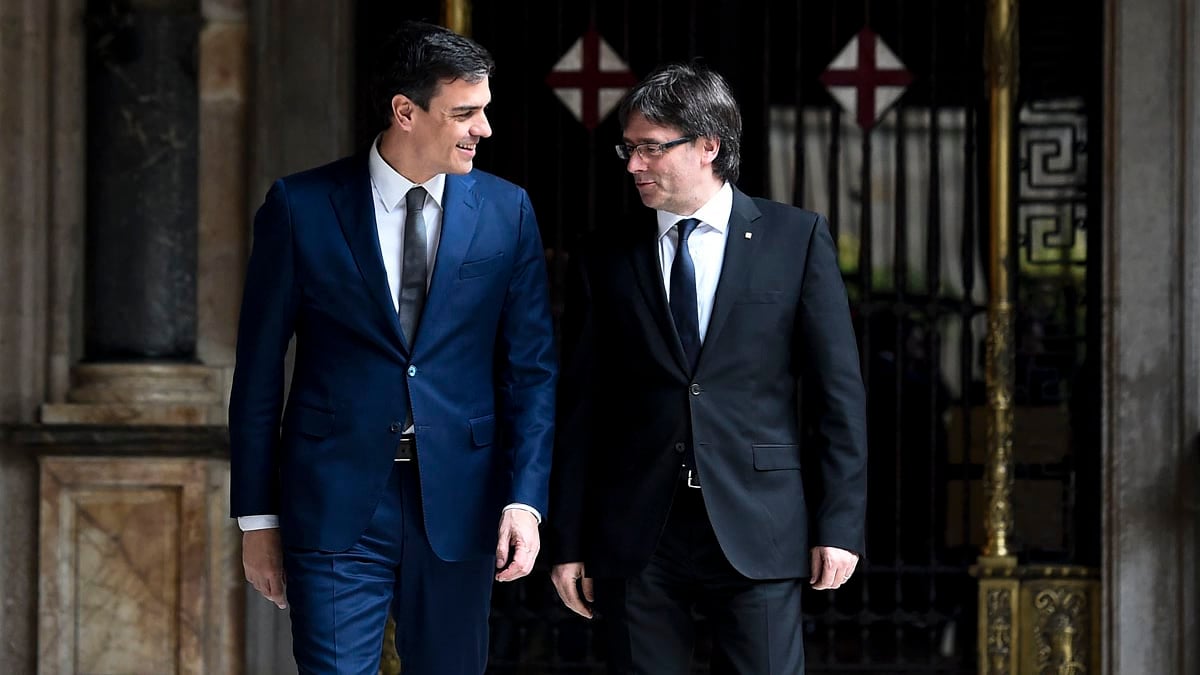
{"type": "Point", "coordinates": [134, 567]}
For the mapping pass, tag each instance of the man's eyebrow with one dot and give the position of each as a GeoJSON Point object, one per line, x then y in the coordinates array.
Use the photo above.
{"type": "Point", "coordinates": [467, 108]}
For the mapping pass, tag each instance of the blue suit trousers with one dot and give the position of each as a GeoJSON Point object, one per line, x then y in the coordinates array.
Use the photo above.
{"type": "Point", "coordinates": [340, 600]}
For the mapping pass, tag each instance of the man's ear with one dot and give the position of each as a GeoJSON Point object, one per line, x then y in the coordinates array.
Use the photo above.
{"type": "Point", "coordinates": [710, 147]}
{"type": "Point", "coordinates": [402, 111]}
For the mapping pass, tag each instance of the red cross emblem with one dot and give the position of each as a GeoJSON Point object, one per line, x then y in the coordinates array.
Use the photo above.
{"type": "Point", "coordinates": [866, 78]}
{"type": "Point", "coordinates": [590, 79]}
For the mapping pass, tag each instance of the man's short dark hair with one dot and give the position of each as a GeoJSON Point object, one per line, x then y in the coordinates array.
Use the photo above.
{"type": "Point", "coordinates": [698, 102]}
{"type": "Point", "coordinates": [417, 58]}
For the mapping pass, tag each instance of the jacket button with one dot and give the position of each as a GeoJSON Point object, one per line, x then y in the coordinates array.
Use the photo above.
{"type": "Point", "coordinates": [394, 428]}
{"type": "Point", "coordinates": [695, 389]}
{"type": "Point", "coordinates": [680, 447]}
{"type": "Point", "coordinates": [412, 371]}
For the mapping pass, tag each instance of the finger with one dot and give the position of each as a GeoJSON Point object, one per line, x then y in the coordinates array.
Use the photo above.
{"type": "Point", "coordinates": [588, 591]}
{"type": "Point", "coordinates": [275, 591]}
{"type": "Point", "coordinates": [814, 566]}
{"type": "Point", "coordinates": [502, 548]}
{"type": "Point", "coordinates": [522, 563]}
{"type": "Point", "coordinates": [569, 593]}
{"type": "Point", "coordinates": [818, 579]}
{"type": "Point", "coordinates": [830, 575]}
{"type": "Point", "coordinates": [825, 576]}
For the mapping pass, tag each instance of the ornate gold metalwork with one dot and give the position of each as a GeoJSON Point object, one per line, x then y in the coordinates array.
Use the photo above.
{"type": "Point", "coordinates": [390, 663]}
{"type": "Point", "coordinates": [1059, 638]}
{"type": "Point", "coordinates": [1060, 620]}
{"type": "Point", "coordinates": [1001, 67]}
{"type": "Point", "coordinates": [999, 632]}
{"type": "Point", "coordinates": [456, 15]}
{"type": "Point", "coordinates": [999, 644]}
{"type": "Point", "coordinates": [997, 477]}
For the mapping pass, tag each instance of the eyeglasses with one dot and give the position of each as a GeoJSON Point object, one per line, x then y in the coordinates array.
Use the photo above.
{"type": "Point", "coordinates": [649, 150]}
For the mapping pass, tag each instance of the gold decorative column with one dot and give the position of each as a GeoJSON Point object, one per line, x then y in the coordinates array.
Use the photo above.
{"type": "Point", "coordinates": [1002, 76]}
{"type": "Point", "coordinates": [999, 587]}
{"type": "Point", "coordinates": [456, 15]}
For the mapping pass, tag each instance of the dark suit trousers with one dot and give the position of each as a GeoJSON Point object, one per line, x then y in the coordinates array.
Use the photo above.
{"type": "Point", "coordinates": [650, 629]}
{"type": "Point", "coordinates": [339, 601]}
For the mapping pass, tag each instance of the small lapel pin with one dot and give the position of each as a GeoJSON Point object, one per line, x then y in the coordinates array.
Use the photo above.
{"type": "Point", "coordinates": [749, 235]}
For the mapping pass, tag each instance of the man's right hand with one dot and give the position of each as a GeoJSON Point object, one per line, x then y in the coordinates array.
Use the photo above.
{"type": "Point", "coordinates": [567, 578]}
{"type": "Point", "coordinates": [262, 558]}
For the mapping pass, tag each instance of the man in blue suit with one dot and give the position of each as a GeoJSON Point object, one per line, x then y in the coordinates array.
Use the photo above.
{"type": "Point", "coordinates": [420, 414]}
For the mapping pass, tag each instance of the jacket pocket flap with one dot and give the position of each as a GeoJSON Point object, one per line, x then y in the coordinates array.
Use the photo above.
{"type": "Point", "coordinates": [478, 268]}
{"type": "Point", "coordinates": [308, 421]}
{"type": "Point", "coordinates": [483, 430]}
{"type": "Point", "coordinates": [775, 457]}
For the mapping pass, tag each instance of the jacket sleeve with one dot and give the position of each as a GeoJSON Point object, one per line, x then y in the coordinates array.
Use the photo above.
{"type": "Point", "coordinates": [835, 397]}
{"type": "Point", "coordinates": [265, 327]}
{"type": "Point", "coordinates": [527, 366]}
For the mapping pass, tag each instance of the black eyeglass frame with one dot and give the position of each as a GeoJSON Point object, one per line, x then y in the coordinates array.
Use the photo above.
{"type": "Point", "coordinates": [649, 150]}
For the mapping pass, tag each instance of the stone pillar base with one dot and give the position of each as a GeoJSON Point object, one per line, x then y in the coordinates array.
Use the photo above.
{"type": "Point", "coordinates": [141, 394]}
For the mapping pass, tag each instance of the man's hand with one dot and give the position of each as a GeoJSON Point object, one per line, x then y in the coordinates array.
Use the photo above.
{"type": "Point", "coordinates": [262, 559]}
{"type": "Point", "coordinates": [568, 578]}
{"type": "Point", "coordinates": [518, 545]}
{"type": "Point", "coordinates": [831, 567]}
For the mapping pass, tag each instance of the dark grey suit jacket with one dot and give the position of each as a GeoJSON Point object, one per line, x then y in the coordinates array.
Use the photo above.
{"type": "Point", "coordinates": [780, 325]}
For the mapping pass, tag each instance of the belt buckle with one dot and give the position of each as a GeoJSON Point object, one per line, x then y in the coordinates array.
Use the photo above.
{"type": "Point", "coordinates": [410, 452]}
{"type": "Point", "coordinates": [692, 473]}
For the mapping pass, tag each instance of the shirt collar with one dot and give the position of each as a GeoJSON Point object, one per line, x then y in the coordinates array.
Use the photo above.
{"type": "Point", "coordinates": [715, 212]}
{"type": "Point", "coordinates": [392, 187]}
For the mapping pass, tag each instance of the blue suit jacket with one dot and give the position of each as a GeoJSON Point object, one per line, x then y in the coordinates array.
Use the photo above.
{"type": "Point", "coordinates": [480, 374]}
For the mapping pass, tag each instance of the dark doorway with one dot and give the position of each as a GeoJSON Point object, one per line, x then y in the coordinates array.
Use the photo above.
{"type": "Point", "coordinates": [908, 204]}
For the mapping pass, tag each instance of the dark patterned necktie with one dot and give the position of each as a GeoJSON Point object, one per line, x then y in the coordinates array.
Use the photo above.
{"type": "Point", "coordinates": [416, 262]}
{"type": "Point", "coordinates": [683, 294]}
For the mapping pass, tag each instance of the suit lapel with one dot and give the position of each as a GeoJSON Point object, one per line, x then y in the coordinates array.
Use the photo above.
{"type": "Point", "coordinates": [648, 272]}
{"type": "Point", "coordinates": [460, 217]}
{"type": "Point", "coordinates": [354, 205]}
{"type": "Point", "coordinates": [739, 256]}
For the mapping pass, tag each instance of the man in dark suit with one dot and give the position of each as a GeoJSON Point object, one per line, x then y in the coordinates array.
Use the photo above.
{"type": "Point", "coordinates": [677, 485]}
{"type": "Point", "coordinates": [420, 414]}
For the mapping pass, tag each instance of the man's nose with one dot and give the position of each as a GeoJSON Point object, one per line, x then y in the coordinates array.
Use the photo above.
{"type": "Point", "coordinates": [483, 128]}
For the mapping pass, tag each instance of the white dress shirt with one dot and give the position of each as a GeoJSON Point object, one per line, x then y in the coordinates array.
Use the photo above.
{"type": "Point", "coordinates": [707, 246]}
{"type": "Point", "coordinates": [390, 191]}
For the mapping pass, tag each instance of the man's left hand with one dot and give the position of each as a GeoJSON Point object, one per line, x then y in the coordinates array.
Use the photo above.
{"type": "Point", "coordinates": [518, 546]}
{"type": "Point", "coordinates": [831, 567]}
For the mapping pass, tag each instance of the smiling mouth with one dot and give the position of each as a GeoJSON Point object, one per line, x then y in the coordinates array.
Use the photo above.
{"type": "Point", "coordinates": [469, 147]}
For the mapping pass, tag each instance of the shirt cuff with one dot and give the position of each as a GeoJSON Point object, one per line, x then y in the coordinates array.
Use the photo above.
{"type": "Point", "coordinates": [248, 523]}
{"type": "Point", "coordinates": [525, 507]}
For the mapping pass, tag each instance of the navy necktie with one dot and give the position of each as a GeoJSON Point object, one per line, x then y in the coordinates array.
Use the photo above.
{"type": "Point", "coordinates": [683, 294]}
{"type": "Point", "coordinates": [416, 262]}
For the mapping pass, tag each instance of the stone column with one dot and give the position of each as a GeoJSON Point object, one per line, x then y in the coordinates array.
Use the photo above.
{"type": "Point", "coordinates": [1152, 334]}
{"type": "Point", "coordinates": [140, 263]}
{"type": "Point", "coordinates": [168, 95]}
